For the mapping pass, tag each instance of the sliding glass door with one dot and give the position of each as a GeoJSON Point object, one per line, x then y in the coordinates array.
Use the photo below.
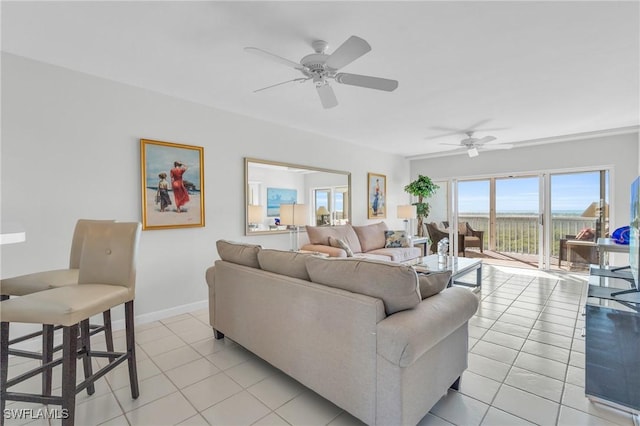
{"type": "Point", "coordinates": [541, 220]}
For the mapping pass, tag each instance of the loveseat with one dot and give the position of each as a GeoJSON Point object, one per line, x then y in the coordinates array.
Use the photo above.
{"type": "Point", "coordinates": [356, 331]}
{"type": "Point", "coordinates": [367, 241]}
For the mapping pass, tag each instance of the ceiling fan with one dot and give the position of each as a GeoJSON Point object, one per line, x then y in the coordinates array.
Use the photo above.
{"type": "Point", "coordinates": [320, 67]}
{"type": "Point", "coordinates": [472, 145]}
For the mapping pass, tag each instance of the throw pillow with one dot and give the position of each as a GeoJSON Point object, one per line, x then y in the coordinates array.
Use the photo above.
{"type": "Point", "coordinates": [586, 234]}
{"type": "Point", "coordinates": [433, 283]}
{"type": "Point", "coordinates": [396, 239]}
{"type": "Point", "coordinates": [240, 253]}
{"type": "Point", "coordinates": [338, 243]}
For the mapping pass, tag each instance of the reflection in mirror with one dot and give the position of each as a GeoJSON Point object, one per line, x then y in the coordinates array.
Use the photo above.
{"type": "Point", "coordinates": [269, 185]}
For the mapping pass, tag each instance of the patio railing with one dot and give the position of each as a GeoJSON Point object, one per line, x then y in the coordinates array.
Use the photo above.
{"type": "Point", "coordinates": [519, 233]}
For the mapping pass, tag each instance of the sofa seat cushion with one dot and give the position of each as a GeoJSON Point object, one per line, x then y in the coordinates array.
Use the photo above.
{"type": "Point", "coordinates": [399, 254]}
{"type": "Point", "coordinates": [396, 285]}
{"type": "Point", "coordinates": [372, 256]}
{"type": "Point", "coordinates": [406, 336]}
{"type": "Point", "coordinates": [346, 233]}
{"type": "Point", "coordinates": [289, 263]}
{"type": "Point", "coordinates": [371, 237]}
{"type": "Point", "coordinates": [239, 253]}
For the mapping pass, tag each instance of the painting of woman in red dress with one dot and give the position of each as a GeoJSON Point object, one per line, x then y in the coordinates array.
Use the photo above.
{"type": "Point", "coordinates": [180, 193]}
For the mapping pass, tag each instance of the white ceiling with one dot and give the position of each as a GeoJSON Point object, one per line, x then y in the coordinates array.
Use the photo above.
{"type": "Point", "coordinates": [529, 70]}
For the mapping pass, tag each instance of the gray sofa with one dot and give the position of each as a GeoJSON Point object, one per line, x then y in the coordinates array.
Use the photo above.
{"type": "Point", "coordinates": [356, 331]}
{"type": "Point", "coordinates": [363, 241]}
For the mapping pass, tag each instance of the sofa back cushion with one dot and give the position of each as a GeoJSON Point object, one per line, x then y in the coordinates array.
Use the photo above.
{"type": "Point", "coordinates": [321, 234]}
{"type": "Point", "coordinates": [396, 285]}
{"type": "Point", "coordinates": [289, 263]}
{"type": "Point", "coordinates": [240, 253]}
{"type": "Point", "coordinates": [371, 236]}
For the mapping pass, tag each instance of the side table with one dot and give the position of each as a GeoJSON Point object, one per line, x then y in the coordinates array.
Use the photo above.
{"type": "Point", "coordinates": [423, 242]}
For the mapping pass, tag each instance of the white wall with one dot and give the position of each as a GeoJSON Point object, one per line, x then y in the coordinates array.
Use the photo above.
{"type": "Point", "coordinates": [70, 149]}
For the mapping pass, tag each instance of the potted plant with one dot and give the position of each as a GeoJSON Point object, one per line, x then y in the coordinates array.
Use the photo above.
{"type": "Point", "coordinates": [423, 187]}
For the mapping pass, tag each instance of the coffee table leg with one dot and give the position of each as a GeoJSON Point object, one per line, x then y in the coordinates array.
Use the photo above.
{"type": "Point", "coordinates": [479, 276]}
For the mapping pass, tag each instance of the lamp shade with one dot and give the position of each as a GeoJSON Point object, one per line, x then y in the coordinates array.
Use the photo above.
{"type": "Point", "coordinates": [407, 211]}
{"type": "Point", "coordinates": [293, 214]}
{"type": "Point", "coordinates": [322, 211]}
{"type": "Point", "coordinates": [254, 213]}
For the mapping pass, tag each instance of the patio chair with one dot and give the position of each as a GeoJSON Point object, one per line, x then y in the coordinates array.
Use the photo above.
{"type": "Point", "coordinates": [436, 235]}
{"type": "Point", "coordinates": [579, 254]}
{"type": "Point", "coordinates": [472, 238]}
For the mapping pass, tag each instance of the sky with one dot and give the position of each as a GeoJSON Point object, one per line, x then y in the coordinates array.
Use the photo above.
{"type": "Point", "coordinates": [160, 158]}
{"type": "Point", "coordinates": [571, 191]}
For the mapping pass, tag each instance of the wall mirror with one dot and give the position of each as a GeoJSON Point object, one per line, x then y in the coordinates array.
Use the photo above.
{"type": "Point", "coordinates": [320, 197]}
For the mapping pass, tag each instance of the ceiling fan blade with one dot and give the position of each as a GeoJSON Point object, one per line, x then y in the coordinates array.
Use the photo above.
{"type": "Point", "coordinates": [501, 146]}
{"type": "Point", "coordinates": [486, 139]}
{"type": "Point", "coordinates": [367, 81]}
{"type": "Point", "coordinates": [327, 96]}
{"type": "Point", "coordinates": [279, 84]}
{"type": "Point", "coordinates": [348, 52]}
{"type": "Point", "coordinates": [274, 57]}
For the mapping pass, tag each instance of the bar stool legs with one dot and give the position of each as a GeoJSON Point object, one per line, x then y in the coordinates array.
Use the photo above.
{"type": "Point", "coordinates": [131, 349]}
{"type": "Point", "coordinates": [69, 357]}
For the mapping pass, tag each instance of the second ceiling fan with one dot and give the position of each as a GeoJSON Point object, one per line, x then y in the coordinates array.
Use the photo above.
{"type": "Point", "coordinates": [320, 67]}
{"type": "Point", "coordinates": [473, 145]}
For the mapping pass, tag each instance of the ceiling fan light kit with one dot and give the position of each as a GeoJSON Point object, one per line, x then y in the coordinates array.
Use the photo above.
{"type": "Point", "coordinates": [320, 66]}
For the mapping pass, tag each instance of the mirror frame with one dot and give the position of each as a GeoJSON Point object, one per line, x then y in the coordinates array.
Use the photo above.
{"type": "Point", "coordinates": [248, 160]}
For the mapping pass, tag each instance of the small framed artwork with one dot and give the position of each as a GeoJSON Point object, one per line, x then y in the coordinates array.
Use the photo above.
{"type": "Point", "coordinates": [376, 196]}
{"type": "Point", "coordinates": [172, 181]}
{"type": "Point", "coordinates": [278, 196]}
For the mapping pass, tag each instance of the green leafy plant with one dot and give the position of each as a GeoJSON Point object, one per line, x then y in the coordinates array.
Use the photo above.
{"type": "Point", "coordinates": [423, 187]}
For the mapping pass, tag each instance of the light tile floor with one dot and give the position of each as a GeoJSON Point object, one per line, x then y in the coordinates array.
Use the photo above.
{"type": "Point", "coordinates": [526, 366]}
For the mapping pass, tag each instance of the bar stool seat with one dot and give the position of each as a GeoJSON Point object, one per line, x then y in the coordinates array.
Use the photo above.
{"type": "Point", "coordinates": [65, 305]}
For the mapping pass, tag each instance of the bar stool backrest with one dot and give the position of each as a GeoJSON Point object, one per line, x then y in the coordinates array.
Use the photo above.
{"type": "Point", "coordinates": [78, 238]}
{"type": "Point", "coordinates": [109, 254]}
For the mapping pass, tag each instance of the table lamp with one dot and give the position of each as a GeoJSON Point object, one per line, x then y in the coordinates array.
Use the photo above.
{"type": "Point", "coordinates": [254, 215]}
{"type": "Point", "coordinates": [406, 212]}
{"type": "Point", "coordinates": [321, 213]}
{"type": "Point", "coordinates": [293, 215]}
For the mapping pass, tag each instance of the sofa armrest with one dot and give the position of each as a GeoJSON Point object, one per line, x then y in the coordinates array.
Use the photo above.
{"type": "Point", "coordinates": [331, 251]}
{"type": "Point", "coordinates": [405, 336]}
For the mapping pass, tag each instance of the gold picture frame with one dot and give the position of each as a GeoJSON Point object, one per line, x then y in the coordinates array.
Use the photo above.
{"type": "Point", "coordinates": [376, 196]}
{"type": "Point", "coordinates": [168, 199]}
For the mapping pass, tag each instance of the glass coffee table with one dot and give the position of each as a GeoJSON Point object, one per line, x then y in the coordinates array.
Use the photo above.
{"type": "Point", "coordinates": [459, 267]}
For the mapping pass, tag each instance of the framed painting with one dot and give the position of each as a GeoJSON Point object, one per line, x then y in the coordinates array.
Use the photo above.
{"type": "Point", "coordinates": [172, 183]}
{"type": "Point", "coordinates": [376, 196]}
{"type": "Point", "coordinates": [278, 196]}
